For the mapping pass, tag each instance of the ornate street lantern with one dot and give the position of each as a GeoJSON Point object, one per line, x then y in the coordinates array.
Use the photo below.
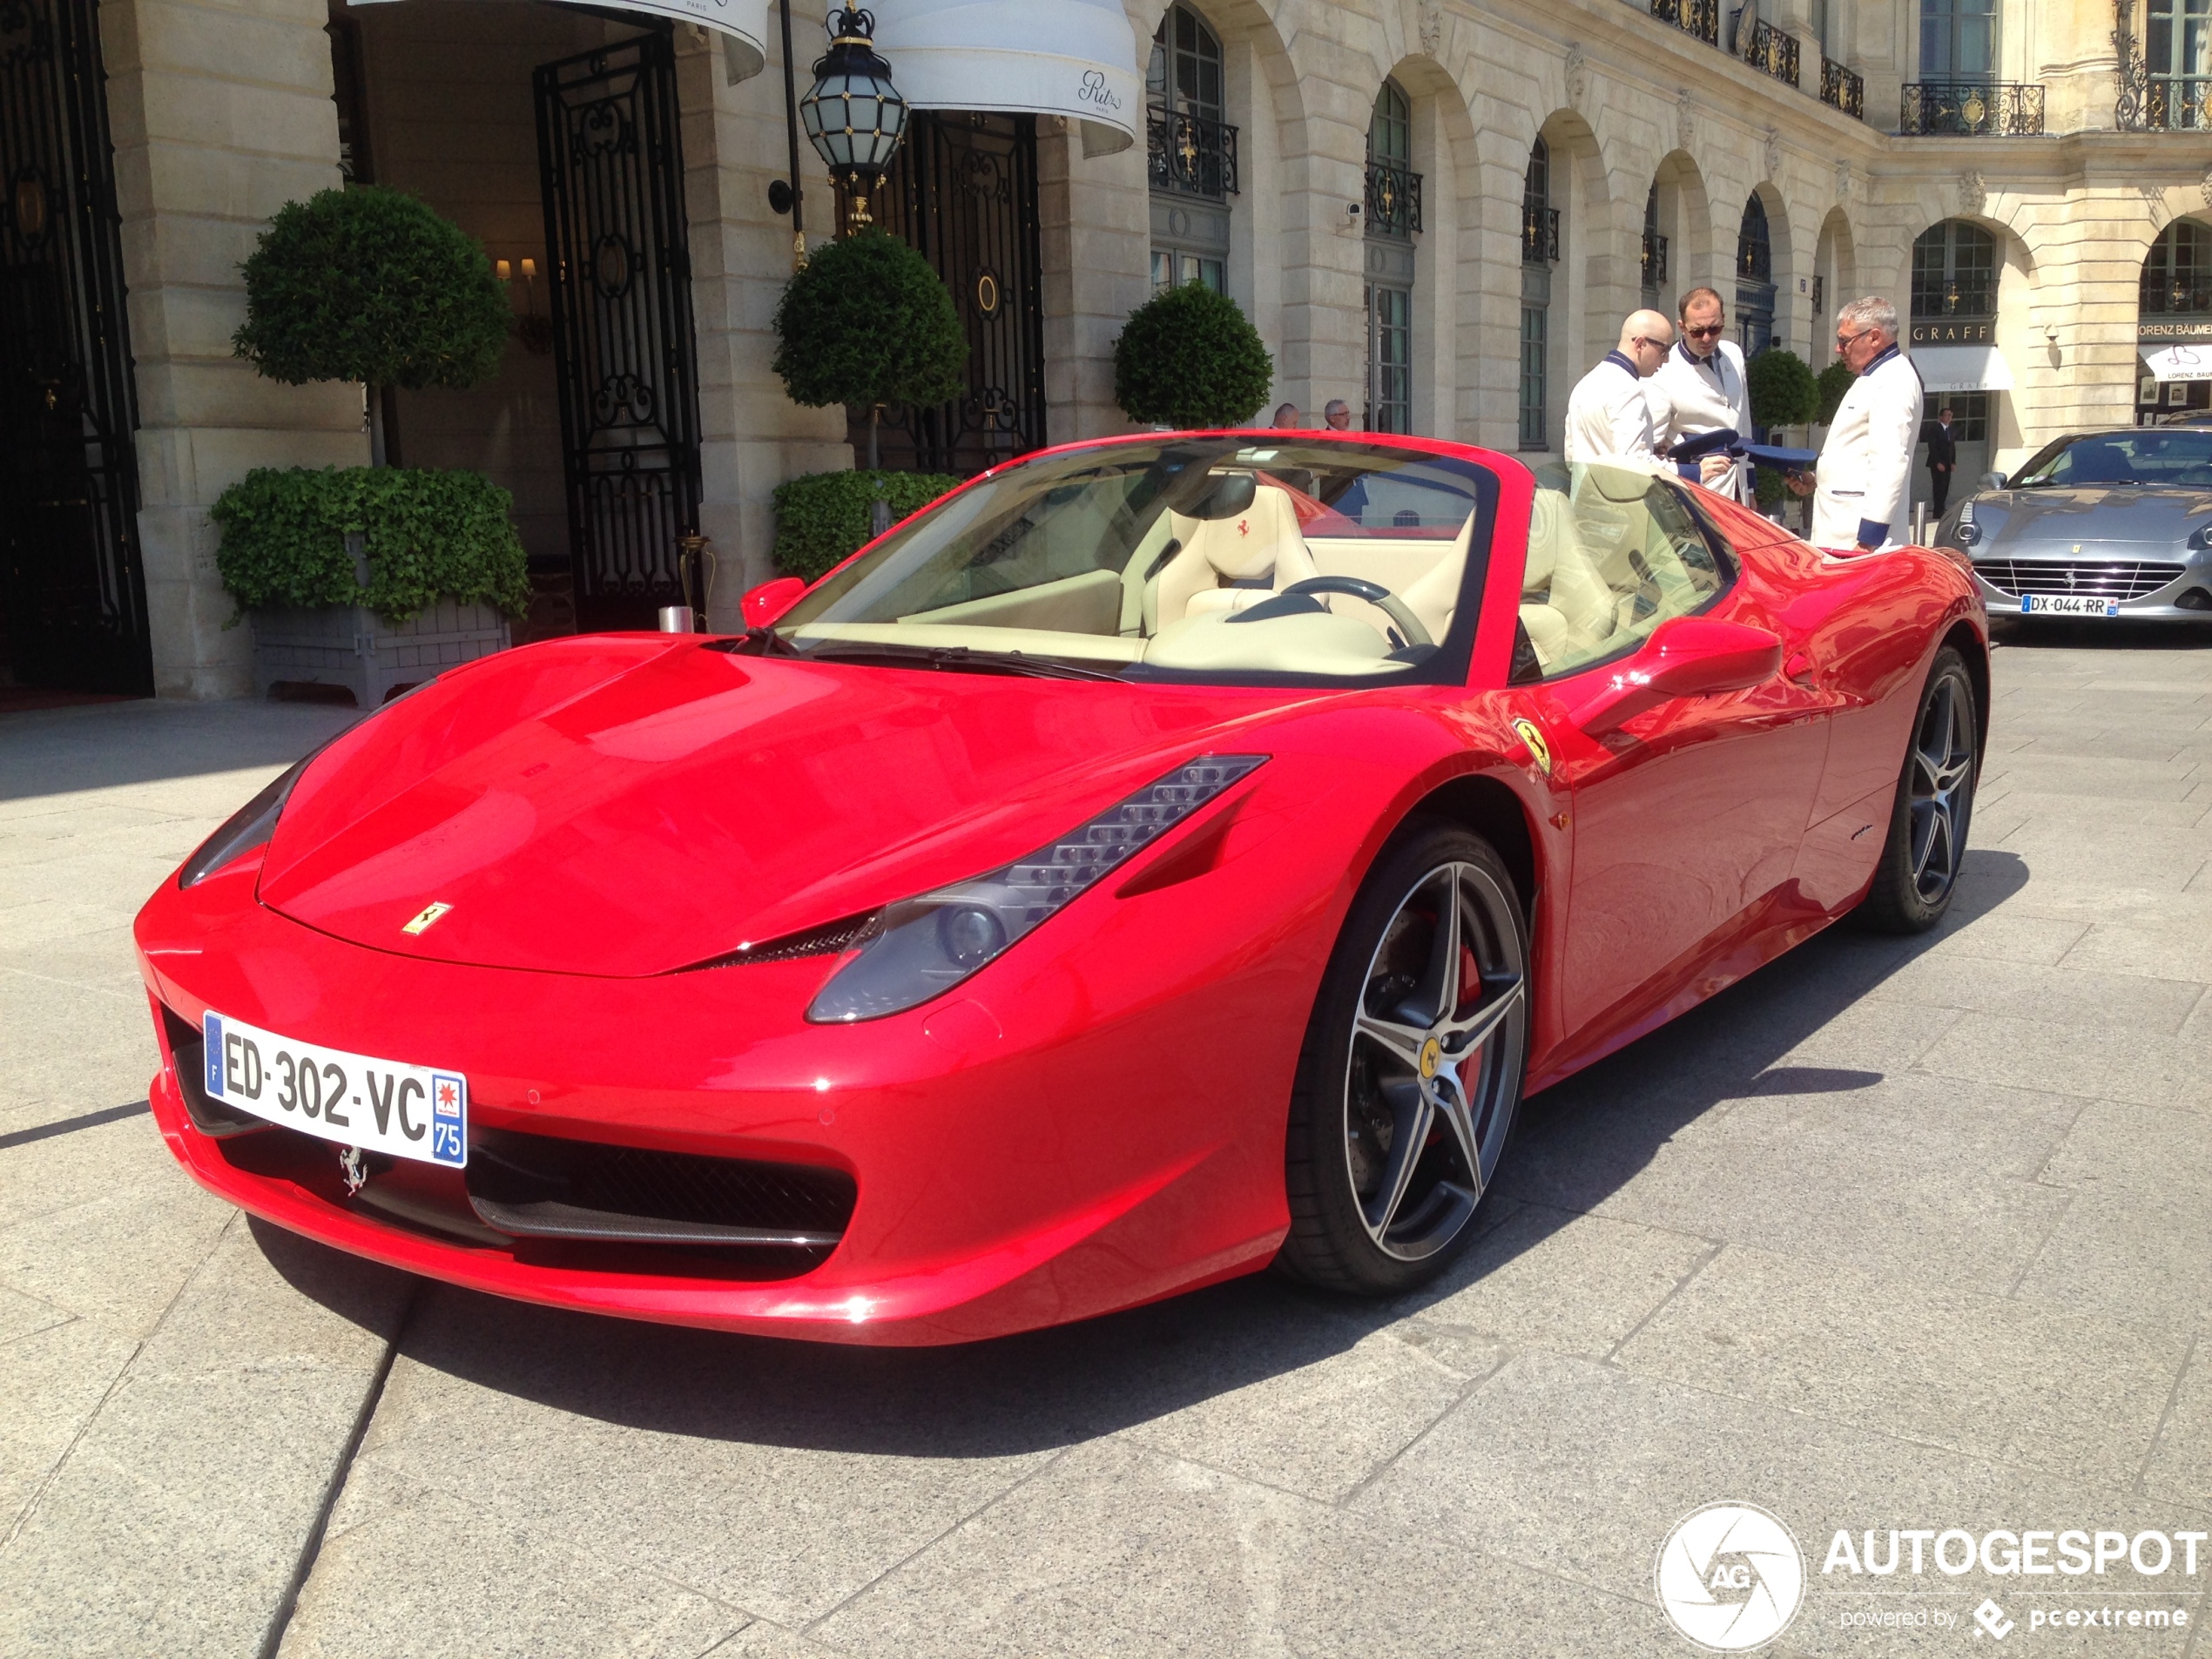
{"type": "Point", "coordinates": [854, 116]}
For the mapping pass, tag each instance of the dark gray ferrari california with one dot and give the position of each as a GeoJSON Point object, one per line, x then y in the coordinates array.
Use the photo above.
{"type": "Point", "coordinates": [2096, 524]}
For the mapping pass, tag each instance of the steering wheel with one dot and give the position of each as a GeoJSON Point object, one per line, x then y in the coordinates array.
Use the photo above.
{"type": "Point", "coordinates": [1375, 594]}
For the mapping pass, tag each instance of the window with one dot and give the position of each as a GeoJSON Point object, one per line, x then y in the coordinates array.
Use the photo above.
{"type": "Point", "coordinates": [1655, 249]}
{"type": "Point", "coordinates": [1613, 552]}
{"type": "Point", "coordinates": [1754, 279]}
{"type": "Point", "coordinates": [1191, 153]}
{"type": "Point", "coordinates": [1958, 39]}
{"type": "Point", "coordinates": [1969, 415]}
{"type": "Point", "coordinates": [1955, 272]}
{"type": "Point", "coordinates": [2177, 272]}
{"type": "Point", "coordinates": [1534, 427]}
{"type": "Point", "coordinates": [2179, 456]}
{"type": "Point", "coordinates": [1393, 214]}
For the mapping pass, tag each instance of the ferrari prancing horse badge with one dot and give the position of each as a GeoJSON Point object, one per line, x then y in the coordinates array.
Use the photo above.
{"type": "Point", "coordinates": [422, 923]}
{"type": "Point", "coordinates": [1539, 750]}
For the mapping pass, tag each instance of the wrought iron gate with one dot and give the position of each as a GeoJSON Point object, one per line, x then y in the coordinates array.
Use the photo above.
{"type": "Point", "coordinates": [613, 178]}
{"type": "Point", "coordinates": [73, 593]}
{"type": "Point", "coordinates": [964, 191]}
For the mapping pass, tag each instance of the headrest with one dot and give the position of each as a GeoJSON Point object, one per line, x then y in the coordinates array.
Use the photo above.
{"type": "Point", "coordinates": [1547, 517]}
{"type": "Point", "coordinates": [1231, 495]}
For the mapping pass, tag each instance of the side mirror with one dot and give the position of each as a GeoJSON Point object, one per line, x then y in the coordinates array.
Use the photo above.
{"type": "Point", "coordinates": [1689, 656]}
{"type": "Point", "coordinates": [1993, 481]}
{"type": "Point", "coordinates": [770, 599]}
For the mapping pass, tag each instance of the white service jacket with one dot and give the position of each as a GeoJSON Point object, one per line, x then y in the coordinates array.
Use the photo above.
{"type": "Point", "coordinates": [1866, 463]}
{"type": "Point", "coordinates": [1689, 399]}
{"type": "Point", "coordinates": [1607, 418]}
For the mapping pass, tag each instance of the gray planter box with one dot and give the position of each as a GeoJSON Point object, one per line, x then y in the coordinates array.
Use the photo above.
{"type": "Point", "coordinates": [352, 646]}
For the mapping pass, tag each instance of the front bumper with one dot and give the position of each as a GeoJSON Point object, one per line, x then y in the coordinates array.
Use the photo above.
{"type": "Point", "coordinates": [2171, 587]}
{"type": "Point", "coordinates": [1067, 1135]}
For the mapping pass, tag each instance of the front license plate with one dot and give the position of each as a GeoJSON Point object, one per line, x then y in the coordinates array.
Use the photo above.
{"type": "Point", "coordinates": [2066, 604]}
{"type": "Point", "coordinates": [378, 1105]}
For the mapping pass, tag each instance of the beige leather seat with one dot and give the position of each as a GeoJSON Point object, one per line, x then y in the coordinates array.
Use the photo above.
{"type": "Point", "coordinates": [1568, 608]}
{"type": "Point", "coordinates": [1436, 596]}
{"type": "Point", "coordinates": [1262, 543]}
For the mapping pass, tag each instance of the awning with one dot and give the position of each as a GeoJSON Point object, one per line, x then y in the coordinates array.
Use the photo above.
{"type": "Point", "coordinates": [743, 25]}
{"type": "Point", "coordinates": [1962, 368]}
{"type": "Point", "coordinates": [2180, 362]}
{"type": "Point", "coordinates": [1071, 57]}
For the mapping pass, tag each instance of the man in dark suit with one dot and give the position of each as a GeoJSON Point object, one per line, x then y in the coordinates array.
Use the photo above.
{"type": "Point", "coordinates": [1943, 459]}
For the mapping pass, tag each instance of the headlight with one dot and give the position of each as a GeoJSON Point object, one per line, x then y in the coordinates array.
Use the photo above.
{"type": "Point", "coordinates": [2200, 536]}
{"type": "Point", "coordinates": [250, 827]}
{"type": "Point", "coordinates": [1966, 532]}
{"type": "Point", "coordinates": [921, 947]}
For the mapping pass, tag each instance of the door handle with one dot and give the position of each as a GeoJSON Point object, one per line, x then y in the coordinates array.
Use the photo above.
{"type": "Point", "coordinates": [1799, 668]}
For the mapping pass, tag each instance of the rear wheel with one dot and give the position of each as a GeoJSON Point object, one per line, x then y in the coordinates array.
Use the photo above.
{"type": "Point", "coordinates": [1411, 1074]}
{"type": "Point", "coordinates": [1935, 797]}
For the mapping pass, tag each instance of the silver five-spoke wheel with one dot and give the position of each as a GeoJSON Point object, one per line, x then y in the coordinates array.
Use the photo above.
{"type": "Point", "coordinates": [1413, 1071]}
{"type": "Point", "coordinates": [1926, 846]}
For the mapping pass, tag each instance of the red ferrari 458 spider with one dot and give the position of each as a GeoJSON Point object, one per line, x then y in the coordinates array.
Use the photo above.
{"type": "Point", "coordinates": [1160, 857]}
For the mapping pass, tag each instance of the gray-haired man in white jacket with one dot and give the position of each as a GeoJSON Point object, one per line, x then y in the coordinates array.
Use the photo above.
{"type": "Point", "coordinates": [1861, 496]}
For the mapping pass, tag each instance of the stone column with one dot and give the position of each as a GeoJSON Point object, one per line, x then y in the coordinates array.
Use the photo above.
{"type": "Point", "coordinates": [220, 113]}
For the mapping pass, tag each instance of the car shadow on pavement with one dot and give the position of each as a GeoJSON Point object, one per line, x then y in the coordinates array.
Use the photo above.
{"type": "Point", "coordinates": [1580, 1143]}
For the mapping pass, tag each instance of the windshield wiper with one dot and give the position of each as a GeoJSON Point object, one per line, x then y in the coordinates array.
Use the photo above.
{"type": "Point", "coordinates": [958, 657]}
{"type": "Point", "coordinates": [757, 641]}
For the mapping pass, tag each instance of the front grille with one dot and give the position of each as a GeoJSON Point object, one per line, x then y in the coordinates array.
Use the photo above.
{"type": "Point", "coordinates": [542, 1186]}
{"type": "Point", "coordinates": [2090, 579]}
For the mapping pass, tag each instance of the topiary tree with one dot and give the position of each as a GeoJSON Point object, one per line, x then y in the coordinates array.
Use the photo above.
{"type": "Point", "coordinates": [1190, 358]}
{"type": "Point", "coordinates": [1783, 390]}
{"type": "Point", "coordinates": [1833, 381]}
{"type": "Point", "coordinates": [867, 322]}
{"type": "Point", "coordinates": [369, 283]}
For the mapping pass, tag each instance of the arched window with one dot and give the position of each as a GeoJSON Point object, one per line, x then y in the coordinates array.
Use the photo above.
{"type": "Point", "coordinates": [1393, 214]}
{"type": "Point", "coordinates": [1539, 249]}
{"type": "Point", "coordinates": [2177, 272]}
{"type": "Point", "coordinates": [1954, 270]}
{"type": "Point", "coordinates": [1191, 153]}
{"type": "Point", "coordinates": [1754, 279]}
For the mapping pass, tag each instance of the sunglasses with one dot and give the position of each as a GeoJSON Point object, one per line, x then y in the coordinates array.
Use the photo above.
{"type": "Point", "coordinates": [1842, 340]}
{"type": "Point", "coordinates": [1705, 333]}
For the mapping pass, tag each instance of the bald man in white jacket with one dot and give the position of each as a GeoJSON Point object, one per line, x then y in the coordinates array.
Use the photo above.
{"type": "Point", "coordinates": [1607, 418]}
{"type": "Point", "coordinates": [1861, 496]}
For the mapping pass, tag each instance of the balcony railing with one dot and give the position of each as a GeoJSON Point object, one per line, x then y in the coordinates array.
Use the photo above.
{"type": "Point", "coordinates": [1843, 89]}
{"type": "Point", "coordinates": [1978, 109]}
{"type": "Point", "coordinates": [1698, 17]}
{"type": "Point", "coordinates": [1394, 201]}
{"type": "Point", "coordinates": [1539, 235]}
{"type": "Point", "coordinates": [1772, 50]}
{"type": "Point", "coordinates": [1655, 260]}
{"type": "Point", "coordinates": [2175, 104]}
{"type": "Point", "coordinates": [1190, 155]}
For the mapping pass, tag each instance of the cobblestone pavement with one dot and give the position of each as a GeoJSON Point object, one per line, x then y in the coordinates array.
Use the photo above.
{"type": "Point", "coordinates": [1894, 1235]}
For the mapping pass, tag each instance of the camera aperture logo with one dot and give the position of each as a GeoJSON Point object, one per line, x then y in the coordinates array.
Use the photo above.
{"type": "Point", "coordinates": [1730, 1577]}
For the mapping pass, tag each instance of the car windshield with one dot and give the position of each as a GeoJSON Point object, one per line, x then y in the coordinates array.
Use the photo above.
{"type": "Point", "coordinates": [1228, 559]}
{"type": "Point", "coordinates": [2175, 456]}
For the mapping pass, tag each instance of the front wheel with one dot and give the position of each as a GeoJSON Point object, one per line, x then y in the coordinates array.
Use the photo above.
{"type": "Point", "coordinates": [1919, 870]}
{"type": "Point", "coordinates": [1411, 1073]}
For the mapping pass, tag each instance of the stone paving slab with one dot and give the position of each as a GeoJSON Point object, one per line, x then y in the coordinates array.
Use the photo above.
{"type": "Point", "coordinates": [1895, 1234]}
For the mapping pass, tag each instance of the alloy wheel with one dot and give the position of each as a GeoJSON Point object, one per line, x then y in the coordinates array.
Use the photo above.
{"type": "Point", "coordinates": [1942, 790]}
{"type": "Point", "coordinates": [1435, 1066]}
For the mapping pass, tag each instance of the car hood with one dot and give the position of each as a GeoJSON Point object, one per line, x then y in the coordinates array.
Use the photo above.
{"type": "Point", "coordinates": [627, 805]}
{"type": "Point", "coordinates": [2053, 520]}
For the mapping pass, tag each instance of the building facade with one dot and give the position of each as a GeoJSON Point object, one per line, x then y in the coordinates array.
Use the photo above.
{"type": "Point", "coordinates": [1435, 210]}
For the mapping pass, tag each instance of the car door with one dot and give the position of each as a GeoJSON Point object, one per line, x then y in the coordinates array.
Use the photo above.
{"type": "Point", "coordinates": [1687, 818]}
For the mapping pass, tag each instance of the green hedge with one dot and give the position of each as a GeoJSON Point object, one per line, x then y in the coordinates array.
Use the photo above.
{"type": "Point", "coordinates": [428, 535]}
{"type": "Point", "coordinates": [824, 516]}
{"type": "Point", "coordinates": [370, 284]}
{"type": "Point", "coordinates": [1833, 381]}
{"type": "Point", "coordinates": [1188, 357]}
{"type": "Point", "coordinates": [869, 321]}
{"type": "Point", "coordinates": [1783, 390]}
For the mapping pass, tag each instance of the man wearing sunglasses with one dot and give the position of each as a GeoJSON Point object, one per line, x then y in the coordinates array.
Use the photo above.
{"type": "Point", "coordinates": [1607, 417]}
{"type": "Point", "coordinates": [1859, 490]}
{"type": "Point", "coordinates": [1700, 389]}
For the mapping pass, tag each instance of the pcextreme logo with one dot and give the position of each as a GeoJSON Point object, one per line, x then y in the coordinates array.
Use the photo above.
{"type": "Point", "coordinates": [1730, 1577]}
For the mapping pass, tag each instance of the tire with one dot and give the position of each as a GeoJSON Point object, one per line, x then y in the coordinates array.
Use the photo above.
{"type": "Point", "coordinates": [1918, 871]}
{"type": "Point", "coordinates": [1378, 1068]}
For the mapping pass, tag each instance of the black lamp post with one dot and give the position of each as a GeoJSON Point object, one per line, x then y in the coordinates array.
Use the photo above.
{"type": "Point", "coordinates": [854, 116]}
